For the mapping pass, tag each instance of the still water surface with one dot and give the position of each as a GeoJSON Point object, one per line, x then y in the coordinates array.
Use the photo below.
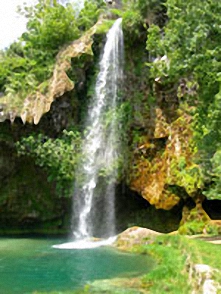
{"type": "Point", "coordinates": [29, 265]}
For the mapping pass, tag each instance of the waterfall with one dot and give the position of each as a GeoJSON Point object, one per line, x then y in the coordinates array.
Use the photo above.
{"type": "Point", "coordinates": [101, 145]}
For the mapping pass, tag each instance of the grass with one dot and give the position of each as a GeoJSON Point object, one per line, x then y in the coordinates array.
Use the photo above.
{"type": "Point", "coordinates": [170, 275]}
{"type": "Point", "coordinates": [174, 254]}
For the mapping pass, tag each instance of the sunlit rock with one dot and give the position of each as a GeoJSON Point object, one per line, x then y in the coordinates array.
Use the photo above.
{"type": "Point", "coordinates": [159, 166]}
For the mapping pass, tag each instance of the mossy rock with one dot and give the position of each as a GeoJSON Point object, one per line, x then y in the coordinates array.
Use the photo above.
{"type": "Point", "coordinates": [135, 236]}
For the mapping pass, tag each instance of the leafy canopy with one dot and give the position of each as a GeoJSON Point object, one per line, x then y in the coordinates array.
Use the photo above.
{"type": "Point", "coordinates": [58, 156]}
{"type": "Point", "coordinates": [30, 60]}
{"type": "Point", "coordinates": [187, 54]}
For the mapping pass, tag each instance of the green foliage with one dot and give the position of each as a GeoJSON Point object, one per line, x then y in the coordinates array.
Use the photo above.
{"type": "Point", "coordinates": [169, 276]}
{"type": "Point", "coordinates": [15, 72]}
{"type": "Point", "coordinates": [49, 27]}
{"type": "Point", "coordinates": [184, 42]}
{"type": "Point", "coordinates": [196, 227]}
{"type": "Point", "coordinates": [105, 26]}
{"type": "Point", "coordinates": [187, 54]}
{"type": "Point", "coordinates": [214, 191]}
{"type": "Point", "coordinates": [90, 13]}
{"type": "Point", "coordinates": [137, 15]}
{"type": "Point", "coordinates": [191, 177]}
{"type": "Point", "coordinates": [192, 228]}
{"type": "Point", "coordinates": [30, 61]}
{"type": "Point", "coordinates": [176, 256]}
{"type": "Point", "coordinates": [143, 6]}
{"type": "Point", "coordinates": [58, 156]}
{"type": "Point", "coordinates": [132, 20]}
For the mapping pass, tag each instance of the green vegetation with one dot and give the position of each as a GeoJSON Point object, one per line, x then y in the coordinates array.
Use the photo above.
{"type": "Point", "coordinates": [196, 227]}
{"type": "Point", "coordinates": [170, 275]}
{"type": "Point", "coordinates": [187, 52]}
{"type": "Point", "coordinates": [137, 16]}
{"type": "Point", "coordinates": [58, 156]}
{"type": "Point", "coordinates": [170, 102]}
{"type": "Point", "coordinates": [173, 66]}
{"type": "Point", "coordinates": [176, 255]}
{"type": "Point", "coordinates": [30, 60]}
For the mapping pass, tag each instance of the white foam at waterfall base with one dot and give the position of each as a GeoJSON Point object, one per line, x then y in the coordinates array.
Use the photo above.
{"type": "Point", "coordinates": [86, 244]}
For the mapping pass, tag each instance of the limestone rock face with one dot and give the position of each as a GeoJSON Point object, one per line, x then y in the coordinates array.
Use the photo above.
{"type": "Point", "coordinates": [161, 167]}
{"type": "Point", "coordinates": [162, 164]}
{"type": "Point", "coordinates": [166, 161]}
{"type": "Point", "coordinates": [32, 107]}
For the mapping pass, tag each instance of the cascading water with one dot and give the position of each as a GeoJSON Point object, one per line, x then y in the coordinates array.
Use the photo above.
{"type": "Point", "coordinates": [100, 149]}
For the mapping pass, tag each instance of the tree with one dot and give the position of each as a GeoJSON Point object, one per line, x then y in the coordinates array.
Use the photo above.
{"type": "Point", "coordinates": [30, 61]}
{"type": "Point", "coordinates": [187, 54]}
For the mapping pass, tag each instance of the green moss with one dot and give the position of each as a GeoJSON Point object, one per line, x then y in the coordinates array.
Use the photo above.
{"type": "Point", "coordinates": [192, 228]}
{"type": "Point", "coordinates": [197, 227]}
{"type": "Point", "coordinates": [174, 254]}
{"type": "Point", "coordinates": [104, 27]}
